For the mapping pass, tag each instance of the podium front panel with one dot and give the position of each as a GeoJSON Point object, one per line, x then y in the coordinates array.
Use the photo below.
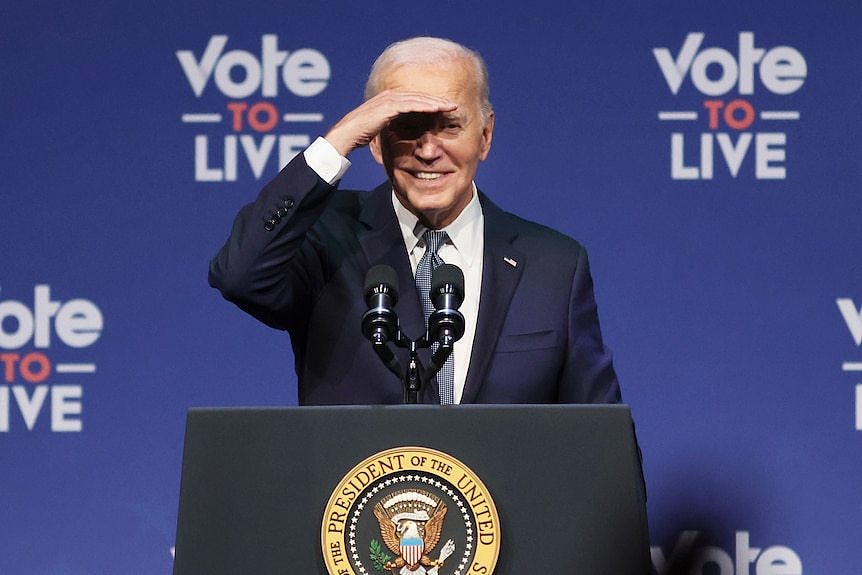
{"type": "Point", "coordinates": [566, 481]}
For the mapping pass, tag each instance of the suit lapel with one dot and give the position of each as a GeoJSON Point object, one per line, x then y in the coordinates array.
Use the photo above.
{"type": "Point", "coordinates": [502, 266]}
{"type": "Point", "coordinates": [383, 243]}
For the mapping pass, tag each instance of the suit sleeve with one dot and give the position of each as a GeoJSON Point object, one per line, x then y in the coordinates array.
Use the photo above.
{"type": "Point", "coordinates": [266, 266]}
{"type": "Point", "coordinates": [588, 375]}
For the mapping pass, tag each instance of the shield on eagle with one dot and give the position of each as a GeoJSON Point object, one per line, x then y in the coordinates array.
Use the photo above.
{"type": "Point", "coordinates": [411, 549]}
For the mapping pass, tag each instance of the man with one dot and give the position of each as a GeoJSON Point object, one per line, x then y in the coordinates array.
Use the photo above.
{"type": "Point", "coordinates": [297, 257]}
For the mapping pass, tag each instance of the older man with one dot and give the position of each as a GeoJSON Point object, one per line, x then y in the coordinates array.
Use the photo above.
{"type": "Point", "coordinates": [297, 257]}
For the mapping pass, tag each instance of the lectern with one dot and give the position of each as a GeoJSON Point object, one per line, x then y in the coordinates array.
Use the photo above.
{"type": "Point", "coordinates": [436, 490]}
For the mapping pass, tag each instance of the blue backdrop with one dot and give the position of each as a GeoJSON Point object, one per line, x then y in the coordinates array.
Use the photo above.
{"type": "Point", "coordinates": [707, 154]}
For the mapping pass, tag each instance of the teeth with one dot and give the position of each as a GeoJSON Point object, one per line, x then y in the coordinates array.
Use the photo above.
{"type": "Point", "coordinates": [427, 175]}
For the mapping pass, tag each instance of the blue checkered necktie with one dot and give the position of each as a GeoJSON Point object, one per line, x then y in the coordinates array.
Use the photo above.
{"type": "Point", "coordinates": [430, 260]}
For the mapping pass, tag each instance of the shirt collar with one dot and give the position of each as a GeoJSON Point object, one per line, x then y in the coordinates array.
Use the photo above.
{"type": "Point", "coordinates": [463, 232]}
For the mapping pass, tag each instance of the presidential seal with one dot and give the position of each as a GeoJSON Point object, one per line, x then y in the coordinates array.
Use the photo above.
{"type": "Point", "coordinates": [410, 511]}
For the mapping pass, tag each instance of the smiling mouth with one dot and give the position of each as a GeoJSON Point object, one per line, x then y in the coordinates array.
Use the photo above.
{"type": "Point", "coordinates": [427, 175]}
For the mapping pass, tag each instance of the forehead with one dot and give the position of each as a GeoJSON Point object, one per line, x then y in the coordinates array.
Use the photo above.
{"type": "Point", "coordinates": [454, 80]}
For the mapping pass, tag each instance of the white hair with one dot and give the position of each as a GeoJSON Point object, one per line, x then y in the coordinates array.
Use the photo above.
{"type": "Point", "coordinates": [423, 50]}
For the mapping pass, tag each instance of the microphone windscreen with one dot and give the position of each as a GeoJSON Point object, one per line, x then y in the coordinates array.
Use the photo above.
{"type": "Point", "coordinates": [448, 274]}
{"type": "Point", "coordinates": [382, 274]}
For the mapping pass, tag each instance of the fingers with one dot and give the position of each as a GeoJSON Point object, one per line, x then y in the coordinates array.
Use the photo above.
{"type": "Point", "coordinates": [361, 125]}
{"type": "Point", "coordinates": [398, 102]}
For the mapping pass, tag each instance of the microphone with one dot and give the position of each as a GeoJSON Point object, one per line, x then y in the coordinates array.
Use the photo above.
{"type": "Point", "coordinates": [446, 323]}
{"type": "Point", "coordinates": [380, 323]}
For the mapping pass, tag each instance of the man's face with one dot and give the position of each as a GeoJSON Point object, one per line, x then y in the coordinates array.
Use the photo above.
{"type": "Point", "coordinates": [431, 159]}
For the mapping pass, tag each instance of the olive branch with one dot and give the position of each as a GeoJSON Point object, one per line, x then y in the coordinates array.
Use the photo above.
{"type": "Point", "coordinates": [379, 556]}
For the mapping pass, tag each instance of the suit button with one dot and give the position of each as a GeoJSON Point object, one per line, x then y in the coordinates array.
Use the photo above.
{"type": "Point", "coordinates": [288, 203]}
{"type": "Point", "coordinates": [268, 225]}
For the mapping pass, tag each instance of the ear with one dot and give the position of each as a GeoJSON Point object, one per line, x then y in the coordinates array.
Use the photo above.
{"type": "Point", "coordinates": [374, 146]}
{"type": "Point", "coordinates": [487, 136]}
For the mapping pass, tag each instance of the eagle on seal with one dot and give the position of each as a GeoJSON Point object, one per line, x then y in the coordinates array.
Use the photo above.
{"type": "Point", "coordinates": [411, 536]}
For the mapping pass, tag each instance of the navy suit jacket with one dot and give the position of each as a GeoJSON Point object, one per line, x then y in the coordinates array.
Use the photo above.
{"type": "Point", "coordinates": [297, 257]}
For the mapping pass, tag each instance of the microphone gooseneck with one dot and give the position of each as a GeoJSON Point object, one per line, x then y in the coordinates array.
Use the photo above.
{"type": "Point", "coordinates": [445, 324]}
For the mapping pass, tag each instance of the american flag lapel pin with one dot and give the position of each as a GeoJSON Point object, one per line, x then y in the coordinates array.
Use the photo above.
{"type": "Point", "coordinates": [511, 262]}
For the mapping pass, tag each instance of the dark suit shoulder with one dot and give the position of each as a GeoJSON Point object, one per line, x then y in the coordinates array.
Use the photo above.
{"type": "Point", "coordinates": [344, 202]}
{"type": "Point", "coordinates": [338, 233]}
{"type": "Point", "coordinates": [526, 234]}
{"type": "Point", "coordinates": [353, 205]}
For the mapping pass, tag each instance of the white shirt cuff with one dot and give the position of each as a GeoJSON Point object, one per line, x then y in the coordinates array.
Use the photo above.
{"type": "Point", "coordinates": [326, 161]}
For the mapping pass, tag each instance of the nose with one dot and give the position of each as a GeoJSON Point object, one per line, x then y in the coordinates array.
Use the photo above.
{"type": "Point", "coordinates": [428, 148]}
